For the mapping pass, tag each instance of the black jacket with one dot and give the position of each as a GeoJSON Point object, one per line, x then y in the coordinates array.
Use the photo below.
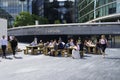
{"type": "Point", "coordinates": [14, 43]}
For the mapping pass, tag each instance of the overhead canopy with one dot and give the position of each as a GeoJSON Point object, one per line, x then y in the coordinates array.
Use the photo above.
{"type": "Point", "coordinates": [67, 29]}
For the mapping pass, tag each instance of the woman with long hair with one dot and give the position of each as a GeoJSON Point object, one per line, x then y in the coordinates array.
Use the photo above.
{"type": "Point", "coordinates": [103, 44]}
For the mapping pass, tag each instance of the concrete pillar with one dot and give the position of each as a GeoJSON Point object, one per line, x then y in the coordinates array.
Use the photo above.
{"type": "Point", "coordinates": [94, 9]}
{"type": "Point", "coordinates": [3, 28]}
{"type": "Point", "coordinates": [36, 22]}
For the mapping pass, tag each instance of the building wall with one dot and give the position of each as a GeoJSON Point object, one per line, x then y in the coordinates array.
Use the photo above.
{"type": "Point", "coordinates": [3, 27]}
{"type": "Point", "coordinates": [38, 7]}
{"type": "Point", "coordinates": [92, 9]}
{"type": "Point", "coordinates": [14, 7]}
{"type": "Point", "coordinates": [54, 10]}
{"type": "Point", "coordinates": [118, 6]}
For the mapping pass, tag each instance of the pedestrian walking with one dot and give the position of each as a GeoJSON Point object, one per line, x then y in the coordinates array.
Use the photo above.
{"type": "Point", "coordinates": [81, 48]}
{"type": "Point", "coordinates": [14, 44]}
{"type": "Point", "coordinates": [4, 44]}
{"type": "Point", "coordinates": [103, 44]}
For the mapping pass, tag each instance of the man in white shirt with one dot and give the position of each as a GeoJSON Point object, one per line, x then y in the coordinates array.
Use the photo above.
{"type": "Point", "coordinates": [4, 44]}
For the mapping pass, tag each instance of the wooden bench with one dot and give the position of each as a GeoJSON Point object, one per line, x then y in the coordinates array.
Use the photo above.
{"type": "Point", "coordinates": [92, 49]}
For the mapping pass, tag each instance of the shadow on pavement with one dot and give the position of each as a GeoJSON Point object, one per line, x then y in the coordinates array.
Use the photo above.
{"type": "Point", "coordinates": [87, 56]}
{"type": "Point", "coordinates": [116, 58]}
{"type": "Point", "coordinates": [9, 58]}
{"type": "Point", "coordinates": [18, 58]}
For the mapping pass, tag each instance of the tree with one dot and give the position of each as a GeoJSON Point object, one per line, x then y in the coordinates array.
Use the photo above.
{"type": "Point", "coordinates": [25, 18]}
{"type": "Point", "coordinates": [41, 20]}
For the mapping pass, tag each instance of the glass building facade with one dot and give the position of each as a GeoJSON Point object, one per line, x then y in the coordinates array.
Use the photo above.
{"type": "Point", "coordinates": [38, 7]}
{"type": "Point", "coordinates": [98, 10]}
{"type": "Point", "coordinates": [13, 8]}
{"type": "Point", "coordinates": [54, 10]}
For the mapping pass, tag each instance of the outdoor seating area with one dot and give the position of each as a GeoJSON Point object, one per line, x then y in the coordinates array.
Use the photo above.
{"type": "Point", "coordinates": [37, 49]}
{"type": "Point", "coordinates": [60, 48]}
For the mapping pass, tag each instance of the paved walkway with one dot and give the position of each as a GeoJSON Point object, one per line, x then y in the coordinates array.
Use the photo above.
{"type": "Point", "coordinates": [41, 67]}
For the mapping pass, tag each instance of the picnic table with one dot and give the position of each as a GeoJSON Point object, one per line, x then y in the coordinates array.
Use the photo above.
{"type": "Point", "coordinates": [92, 49]}
{"type": "Point", "coordinates": [34, 49]}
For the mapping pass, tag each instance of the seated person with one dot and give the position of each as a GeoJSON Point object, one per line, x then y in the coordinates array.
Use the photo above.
{"type": "Point", "coordinates": [68, 44]}
{"type": "Point", "coordinates": [71, 42]}
{"type": "Point", "coordinates": [60, 45]}
{"type": "Point", "coordinates": [51, 43]}
{"type": "Point", "coordinates": [41, 42]}
{"type": "Point", "coordinates": [90, 44]}
{"type": "Point", "coordinates": [46, 44]}
{"type": "Point", "coordinates": [34, 42]}
{"type": "Point", "coordinates": [55, 45]}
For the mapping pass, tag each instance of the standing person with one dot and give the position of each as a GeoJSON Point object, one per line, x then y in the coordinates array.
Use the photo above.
{"type": "Point", "coordinates": [103, 44]}
{"type": "Point", "coordinates": [14, 44]}
{"type": "Point", "coordinates": [4, 44]}
{"type": "Point", "coordinates": [81, 48]}
{"type": "Point", "coordinates": [98, 46]}
{"type": "Point", "coordinates": [75, 51]}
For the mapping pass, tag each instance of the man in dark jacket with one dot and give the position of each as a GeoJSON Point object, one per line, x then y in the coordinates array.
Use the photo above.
{"type": "Point", "coordinates": [14, 44]}
{"type": "Point", "coordinates": [81, 48]}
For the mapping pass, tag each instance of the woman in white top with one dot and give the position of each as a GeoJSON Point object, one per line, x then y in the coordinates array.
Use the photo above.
{"type": "Point", "coordinates": [34, 42]}
{"type": "Point", "coordinates": [76, 52]}
{"type": "Point", "coordinates": [4, 44]}
{"type": "Point", "coordinates": [103, 44]}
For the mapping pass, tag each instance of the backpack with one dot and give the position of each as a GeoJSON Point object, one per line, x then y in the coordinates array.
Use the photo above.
{"type": "Point", "coordinates": [60, 46]}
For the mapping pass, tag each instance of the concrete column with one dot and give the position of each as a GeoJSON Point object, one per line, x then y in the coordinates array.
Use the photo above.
{"type": "Point", "coordinates": [94, 9]}
{"type": "Point", "coordinates": [3, 28]}
{"type": "Point", "coordinates": [36, 22]}
{"type": "Point", "coordinates": [118, 6]}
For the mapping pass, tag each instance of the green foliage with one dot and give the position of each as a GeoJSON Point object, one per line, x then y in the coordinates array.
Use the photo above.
{"type": "Point", "coordinates": [25, 18]}
{"type": "Point", "coordinates": [41, 20]}
{"type": "Point", "coordinates": [57, 22]}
